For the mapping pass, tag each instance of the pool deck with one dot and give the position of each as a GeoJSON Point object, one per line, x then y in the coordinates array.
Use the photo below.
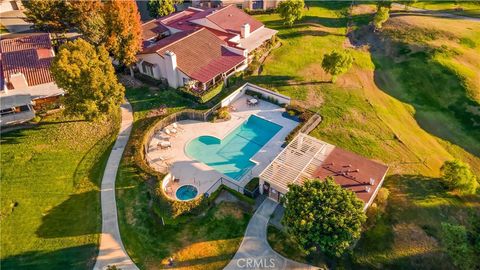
{"type": "Point", "coordinates": [175, 161]}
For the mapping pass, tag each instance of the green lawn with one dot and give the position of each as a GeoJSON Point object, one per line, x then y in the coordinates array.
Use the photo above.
{"type": "Point", "coordinates": [464, 8]}
{"type": "Point", "coordinates": [409, 111]}
{"type": "Point", "coordinates": [206, 241]}
{"type": "Point", "coordinates": [50, 200]}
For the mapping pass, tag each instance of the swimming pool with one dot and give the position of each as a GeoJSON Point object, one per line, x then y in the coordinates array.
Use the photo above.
{"type": "Point", "coordinates": [186, 192]}
{"type": "Point", "coordinates": [231, 156]}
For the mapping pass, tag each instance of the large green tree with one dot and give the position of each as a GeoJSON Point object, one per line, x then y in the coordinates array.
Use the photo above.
{"type": "Point", "coordinates": [337, 63]}
{"type": "Point", "coordinates": [88, 77]}
{"type": "Point", "coordinates": [291, 11]}
{"type": "Point", "coordinates": [160, 8]}
{"type": "Point", "coordinates": [459, 176]}
{"type": "Point", "coordinates": [124, 30]}
{"type": "Point", "coordinates": [382, 15]}
{"type": "Point", "coordinates": [323, 216]}
{"type": "Point", "coordinates": [52, 16]}
{"type": "Point", "coordinates": [88, 18]}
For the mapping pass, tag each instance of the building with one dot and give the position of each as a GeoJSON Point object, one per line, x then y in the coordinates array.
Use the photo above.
{"type": "Point", "coordinates": [309, 158]}
{"type": "Point", "coordinates": [25, 72]}
{"type": "Point", "coordinates": [200, 47]}
{"type": "Point", "coordinates": [242, 4]}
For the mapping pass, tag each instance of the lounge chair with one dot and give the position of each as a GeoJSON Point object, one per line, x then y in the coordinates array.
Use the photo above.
{"type": "Point", "coordinates": [164, 144]}
{"type": "Point", "coordinates": [169, 132]}
{"type": "Point", "coordinates": [176, 126]}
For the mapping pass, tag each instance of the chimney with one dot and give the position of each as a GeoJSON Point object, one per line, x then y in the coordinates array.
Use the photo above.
{"type": "Point", "coordinates": [245, 31]}
{"type": "Point", "coordinates": [18, 81]}
{"type": "Point", "coordinates": [171, 68]}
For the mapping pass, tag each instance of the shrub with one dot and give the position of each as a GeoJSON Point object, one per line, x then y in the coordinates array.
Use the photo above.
{"type": "Point", "coordinates": [458, 176]}
{"type": "Point", "coordinates": [205, 96]}
{"type": "Point", "coordinates": [455, 241]}
{"type": "Point", "coordinates": [252, 184]}
{"type": "Point", "coordinates": [382, 197]}
{"type": "Point", "coordinates": [222, 113]}
{"type": "Point", "coordinates": [182, 207]}
{"type": "Point", "coordinates": [148, 80]}
{"type": "Point", "coordinates": [36, 119]}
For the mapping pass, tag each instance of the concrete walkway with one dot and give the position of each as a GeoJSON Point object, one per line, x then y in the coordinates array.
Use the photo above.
{"type": "Point", "coordinates": [112, 251]}
{"type": "Point", "coordinates": [255, 252]}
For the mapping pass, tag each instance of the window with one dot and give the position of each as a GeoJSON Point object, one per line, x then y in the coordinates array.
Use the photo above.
{"type": "Point", "coordinates": [147, 68]}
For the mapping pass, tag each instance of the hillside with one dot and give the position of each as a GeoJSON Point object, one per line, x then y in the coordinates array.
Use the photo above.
{"type": "Point", "coordinates": [406, 102]}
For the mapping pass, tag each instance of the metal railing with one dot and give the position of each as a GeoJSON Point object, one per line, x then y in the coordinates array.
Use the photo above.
{"type": "Point", "coordinates": [226, 182]}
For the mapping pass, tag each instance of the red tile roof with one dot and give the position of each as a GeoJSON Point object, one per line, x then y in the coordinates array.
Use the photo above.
{"type": "Point", "coordinates": [352, 171]}
{"type": "Point", "coordinates": [181, 20]}
{"type": "Point", "coordinates": [231, 19]}
{"type": "Point", "coordinates": [30, 55]}
{"type": "Point", "coordinates": [200, 54]}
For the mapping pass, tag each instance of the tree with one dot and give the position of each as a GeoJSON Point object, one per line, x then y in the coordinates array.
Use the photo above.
{"type": "Point", "coordinates": [323, 216]}
{"type": "Point", "coordinates": [52, 16]}
{"type": "Point", "coordinates": [291, 11]}
{"type": "Point", "coordinates": [455, 240]}
{"type": "Point", "coordinates": [89, 19]}
{"type": "Point", "coordinates": [124, 32]}
{"type": "Point", "coordinates": [337, 63]}
{"type": "Point", "coordinates": [458, 176]}
{"type": "Point", "coordinates": [160, 8]}
{"type": "Point", "coordinates": [382, 15]}
{"type": "Point", "coordinates": [88, 77]}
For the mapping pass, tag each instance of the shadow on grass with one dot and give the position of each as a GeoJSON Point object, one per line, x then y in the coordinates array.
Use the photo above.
{"type": "Point", "coordinates": [80, 257]}
{"type": "Point", "coordinates": [76, 216]}
{"type": "Point", "coordinates": [420, 202]}
{"type": "Point", "coordinates": [438, 95]}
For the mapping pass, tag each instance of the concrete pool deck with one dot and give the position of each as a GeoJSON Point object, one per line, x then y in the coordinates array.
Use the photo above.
{"type": "Point", "coordinates": [189, 171]}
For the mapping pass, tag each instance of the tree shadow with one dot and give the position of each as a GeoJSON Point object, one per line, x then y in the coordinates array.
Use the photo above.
{"type": "Point", "coordinates": [415, 78]}
{"type": "Point", "coordinates": [76, 216]}
{"type": "Point", "coordinates": [79, 257]}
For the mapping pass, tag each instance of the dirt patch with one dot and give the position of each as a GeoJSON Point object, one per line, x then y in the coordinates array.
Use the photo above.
{"type": "Point", "coordinates": [228, 209]}
{"type": "Point", "coordinates": [363, 9]}
{"type": "Point", "coordinates": [128, 81]}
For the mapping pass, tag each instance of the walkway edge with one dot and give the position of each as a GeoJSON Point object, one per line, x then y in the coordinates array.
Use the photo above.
{"type": "Point", "coordinates": [111, 250]}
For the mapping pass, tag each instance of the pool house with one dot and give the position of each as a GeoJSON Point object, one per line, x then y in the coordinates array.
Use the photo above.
{"type": "Point", "coordinates": [306, 157]}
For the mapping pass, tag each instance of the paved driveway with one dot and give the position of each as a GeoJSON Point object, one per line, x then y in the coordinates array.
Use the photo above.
{"type": "Point", "coordinates": [255, 252]}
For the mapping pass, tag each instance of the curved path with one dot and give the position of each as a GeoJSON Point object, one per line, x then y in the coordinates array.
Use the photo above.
{"type": "Point", "coordinates": [111, 250]}
{"type": "Point", "coordinates": [255, 252]}
{"type": "Point", "coordinates": [441, 14]}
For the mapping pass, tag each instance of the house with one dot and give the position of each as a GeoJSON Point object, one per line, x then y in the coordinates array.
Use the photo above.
{"type": "Point", "coordinates": [242, 4]}
{"type": "Point", "coordinates": [200, 47]}
{"type": "Point", "coordinates": [309, 158]}
{"type": "Point", "coordinates": [25, 72]}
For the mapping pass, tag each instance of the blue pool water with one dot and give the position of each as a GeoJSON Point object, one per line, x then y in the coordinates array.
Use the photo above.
{"type": "Point", "coordinates": [231, 156]}
{"type": "Point", "coordinates": [186, 192]}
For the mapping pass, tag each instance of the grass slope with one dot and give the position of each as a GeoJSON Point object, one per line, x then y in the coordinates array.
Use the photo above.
{"type": "Point", "coordinates": [463, 8]}
{"type": "Point", "coordinates": [50, 204]}
{"type": "Point", "coordinates": [389, 111]}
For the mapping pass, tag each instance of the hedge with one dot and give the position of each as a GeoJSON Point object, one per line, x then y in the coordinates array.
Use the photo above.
{"type": "Point", "coordinates": [253, 184]}
{"type": "Point", "coordinates": [203, 97]}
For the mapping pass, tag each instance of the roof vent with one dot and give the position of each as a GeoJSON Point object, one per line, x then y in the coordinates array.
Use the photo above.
{"type": "Point", "coordinates": [372, 181]}
{"type": "Point", "coordinates": [367, 189]}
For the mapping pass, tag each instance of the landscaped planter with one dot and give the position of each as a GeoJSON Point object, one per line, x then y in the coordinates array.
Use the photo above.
{"type": "Point", "coordinates": [291, 117]}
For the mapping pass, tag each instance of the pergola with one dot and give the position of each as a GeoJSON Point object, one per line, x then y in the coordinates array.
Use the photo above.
{"type": "Point", "coordinates": [297, 162]}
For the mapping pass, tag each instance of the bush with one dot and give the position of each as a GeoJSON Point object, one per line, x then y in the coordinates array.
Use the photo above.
{"type": "Point", "coordinates": [182, 207]}
{"type": "Point", "coordinates": [205, 96]}
{"type": "Point", "coordinates": [223, 113]}
{"type": "Point", "coordinates": [303, 115]}
{"type": "Point", "coordinates": [458, 176]}
{"type": "Point", "coordinates": [455, 241]}
{"type": "Point", "coordinates": [252, 184]}
{"type": "Point", "coordinates": [260, 11]}
{"type": "Point", "coordinates": [148, 80]}
{"type": "Point", "coordinates": [36, 119]}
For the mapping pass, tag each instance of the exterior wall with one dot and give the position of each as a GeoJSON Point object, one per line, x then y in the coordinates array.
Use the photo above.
{"type": "Point", "coordinates": [271, 194]}
{"type": "Point", "coordinates": [153, 58]}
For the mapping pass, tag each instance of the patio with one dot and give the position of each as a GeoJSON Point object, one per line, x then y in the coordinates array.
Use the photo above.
{"type": "Point", "coordinates": [173, 159]}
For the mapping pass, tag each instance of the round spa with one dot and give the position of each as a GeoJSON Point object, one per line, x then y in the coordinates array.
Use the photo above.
{"type": "Point", "coordinates": [186, 192]}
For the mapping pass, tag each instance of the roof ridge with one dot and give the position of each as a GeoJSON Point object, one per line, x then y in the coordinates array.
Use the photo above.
{"type": "Point", "coordinates": [219, 10]}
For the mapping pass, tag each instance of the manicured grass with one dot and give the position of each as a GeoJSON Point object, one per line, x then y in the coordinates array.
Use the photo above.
{"type": "Point", "coordinates": [463, 8]}
{"type": "Point", "coordinates": [50, 205]}
{"type": "Point", "coordinates": [205, 241]}
{"type": "Point", "coordinates": [408, 111]}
